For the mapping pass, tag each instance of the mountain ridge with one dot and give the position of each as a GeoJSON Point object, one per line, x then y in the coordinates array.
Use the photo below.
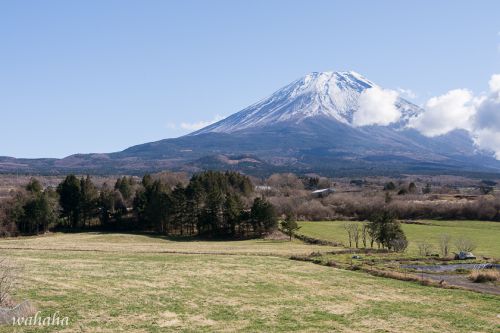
{"type": "Point", "coordinates": [306, 126]}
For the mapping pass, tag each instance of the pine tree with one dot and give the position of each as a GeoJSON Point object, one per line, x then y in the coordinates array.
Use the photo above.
{"type": "Point", "coordinates": [69, 199]}
{"type": "Point", "coordinates": [88, 200]}
{"type": "Point", "coordinates": [289, 225]}
{"type": "Point", "coordinates": [263, 216]}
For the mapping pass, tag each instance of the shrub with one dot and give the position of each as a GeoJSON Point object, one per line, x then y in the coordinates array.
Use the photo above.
{"type": "Point", "coordinates": [484, 275]}
{"type": "Point", "coordinates": [464, 244]}
{"type": "Point", "coordinates": [424, 248]}
{"type": "Point", "coordinates": [399, 244]}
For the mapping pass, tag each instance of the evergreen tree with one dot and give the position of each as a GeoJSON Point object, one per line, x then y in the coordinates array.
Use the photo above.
{"type": "Point", "coordinates": [106, 205]}
{"type": "Point", "coordinates": [178, 209]}
{"type": "Point", "coordinates": [263, 216]}
{"type": "Point", "coordinates": [156, 208]}
{"type": "Point", "coordinates": [232, 213]}
{"type": "Point", "coordinates": [289, 225]}
{"type": "Point", "coordinates": [88, 200]}
{"type": "Point", "coordinates": [387, 231]}
{"type": "Point", "coordinates": [124, 185]}
{"type": "Point", "coordinates": [34, 186]}
{"type": "Point", "coordinates": [69, 199]}
{"type": "Point", "coordinates": [39, 213]}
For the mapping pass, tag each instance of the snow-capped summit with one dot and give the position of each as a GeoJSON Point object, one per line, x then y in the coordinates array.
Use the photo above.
{"type": "Point", "coordinates": [330, 94]}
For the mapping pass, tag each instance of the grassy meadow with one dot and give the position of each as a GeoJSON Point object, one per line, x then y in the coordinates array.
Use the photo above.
{"type": "Point", "coordinates": [485, 234]}
{"type": "Point", "coordinates": [136, 283]}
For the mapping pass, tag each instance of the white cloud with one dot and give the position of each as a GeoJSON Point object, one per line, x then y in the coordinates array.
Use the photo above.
{"type": "Point", "coordinates": [445, 113]}
{"type": "Point", "coordinates": [376, 107]}
{"type": "Point", "coordinates": [407, 93]}
{"type": "Point", "coordinates": [486, 123]}
{"type": "Point", "coordinates": [460, 109]}
{"type": "Point", "coordinates": [200, 124]}
{"type": "Point", "coordinates": [489, 140]}
{"type": "Point", "coordinates": [494, 83]}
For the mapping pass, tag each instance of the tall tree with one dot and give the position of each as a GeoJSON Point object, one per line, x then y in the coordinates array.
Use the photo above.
{"type": "Point", "coordinates": [125, 186]}
{"type": "Point", "coordinates": [106, 204]}
{"type": "Point", "coordinates": [39, 213]}
{"type": "Point", "coordinates": [289, 225]}
{"type": "Point", "coordinates": [69, 198]}
{"type": "Point", "coordinates": [88, 200]}
{"type": "Point", "coordinates": [232, 213]}
{"type": "Point", "coordinates": [263, 216]}
{"type": "Point", "coordinates": [387, 231]}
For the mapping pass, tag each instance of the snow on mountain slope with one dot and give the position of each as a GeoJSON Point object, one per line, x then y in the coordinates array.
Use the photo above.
{"type": "Point", "coordinates": [330, 94]}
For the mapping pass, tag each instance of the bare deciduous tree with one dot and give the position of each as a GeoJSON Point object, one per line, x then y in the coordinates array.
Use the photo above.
{"type": "Point", "coordinates": [364, 233]}
{"type": "Point", "coordinates": [464, 244]}
{"type": "Point", "coordinates": [424, 248]}
{"type": "Point", "coordinates": [355, 234]}
{"type": "Point", "coordinates": [348, 229]}
{"type": "Point", "coordinates": [399, 244]}
{"type": "Point", "coordinates": [444, 244]}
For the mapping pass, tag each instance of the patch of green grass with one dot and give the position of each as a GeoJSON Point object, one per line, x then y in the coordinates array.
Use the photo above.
{"type": "Point", "coordinates": [485, 234]}
{"type": "Point", "coordinates": [133, 290]}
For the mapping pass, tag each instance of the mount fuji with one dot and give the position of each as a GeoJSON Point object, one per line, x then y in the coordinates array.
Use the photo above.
{"type": "Point", "coordinates": [332, 95]}
{"type": "Point", "coordinates": [310, 125]}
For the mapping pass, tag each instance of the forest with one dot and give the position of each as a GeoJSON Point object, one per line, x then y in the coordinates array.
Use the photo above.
{"type": "Point", "coordinates": [212, 204]}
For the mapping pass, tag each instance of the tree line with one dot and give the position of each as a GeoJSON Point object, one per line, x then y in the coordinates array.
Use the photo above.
{"type": "Point", "coordinates": [212, 204]}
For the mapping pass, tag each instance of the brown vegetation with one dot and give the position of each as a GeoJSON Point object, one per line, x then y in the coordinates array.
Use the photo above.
{"type": "Point", "coordinates": [484, 275]}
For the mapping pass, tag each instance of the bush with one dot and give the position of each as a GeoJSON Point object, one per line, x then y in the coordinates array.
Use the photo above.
{"type": "Point", "coordinates": [314, 210]}
{"type": "Point", "coordinates": [399, 244]}
{"type": "Point", "coordinates": [484, 275]}
{"type": "Point", "coordinates": [464, 244]}
{"type": "Point", "coordinates": [424, 248]}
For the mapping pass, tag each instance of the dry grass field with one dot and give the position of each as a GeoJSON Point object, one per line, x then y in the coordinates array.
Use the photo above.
{"type": "Point", "coordinates": [135, 283]}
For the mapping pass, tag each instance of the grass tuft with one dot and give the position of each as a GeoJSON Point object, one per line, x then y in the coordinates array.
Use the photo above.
{"type": "Point", "coordinates": [484, 275]}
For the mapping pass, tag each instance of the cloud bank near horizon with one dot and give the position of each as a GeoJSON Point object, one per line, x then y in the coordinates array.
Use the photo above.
{"type": "Point", "coordinates": [456, 109]}
{"type": "Point", "coordinates": [187, 126]}
{"type": "Point", "coordinates": [460, 109]}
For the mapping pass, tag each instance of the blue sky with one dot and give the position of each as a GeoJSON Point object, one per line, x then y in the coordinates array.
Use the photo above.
{"type": "Point", "coordinates": [99, 76]}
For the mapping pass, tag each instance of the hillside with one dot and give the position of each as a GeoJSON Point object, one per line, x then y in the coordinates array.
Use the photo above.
{"type": "Point", "coordinates": [313, 124]}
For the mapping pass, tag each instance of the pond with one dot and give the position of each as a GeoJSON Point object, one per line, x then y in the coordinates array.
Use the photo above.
{"type": "Point", "coordinates": [451, 267]}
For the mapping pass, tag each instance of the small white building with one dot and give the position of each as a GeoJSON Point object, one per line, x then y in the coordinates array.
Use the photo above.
{"type": "Point", "coordinates": [263, 188]}
{"type": "Point", "coordinates": [324, 192]}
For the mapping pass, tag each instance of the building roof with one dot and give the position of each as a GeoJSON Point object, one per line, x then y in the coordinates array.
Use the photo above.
{"type": "Point", "coordinates": [323, 190]}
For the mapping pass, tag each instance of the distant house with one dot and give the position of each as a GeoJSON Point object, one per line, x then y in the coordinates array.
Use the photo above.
{"type": "Point", "coordinates": [324, 192]}
{"type": "Point", "coordinates": [263, 188]}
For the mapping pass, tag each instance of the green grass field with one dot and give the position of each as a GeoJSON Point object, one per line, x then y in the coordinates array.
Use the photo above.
{"type": "Point", "coordinates": [485, 234]}
{"type": "Point", "coordinates": [130, 283]}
